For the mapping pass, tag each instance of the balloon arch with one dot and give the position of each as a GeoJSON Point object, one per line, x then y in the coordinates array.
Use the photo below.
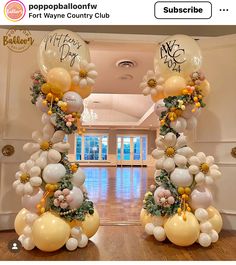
{"type": "Point", "coordinates": [56, 208]}
{"type": "Point", "coordinates": [179, 203]}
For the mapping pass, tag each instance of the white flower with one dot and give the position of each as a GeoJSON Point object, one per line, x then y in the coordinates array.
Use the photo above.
{"type": "Point", "coordinates": [203, 168]}
{"type": "Point", "coordinates": [83, 74]}
{"type": "Point", "coordinates": [171, 151]}
{"type": "Point", "coordinates": [152, 83]}
{"type": "Point", "coordinates": [49, 144]}
{"type": "Point", "coordinates": [27, 178]}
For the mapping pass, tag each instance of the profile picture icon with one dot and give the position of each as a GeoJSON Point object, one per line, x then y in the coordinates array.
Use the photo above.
{"type": "Point", "coordinates": [14, 246]}
{"type": "Point", "coordinates": [14, 10]}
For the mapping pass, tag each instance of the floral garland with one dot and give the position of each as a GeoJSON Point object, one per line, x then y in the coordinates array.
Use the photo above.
{"type": "Point", "coordinates": [175, 106]}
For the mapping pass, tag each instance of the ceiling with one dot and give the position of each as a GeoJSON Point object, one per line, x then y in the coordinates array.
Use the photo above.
{"type": "Point", "coordinates": [117, 98]}
{"type": "Point", "coordinates": [121, 103]}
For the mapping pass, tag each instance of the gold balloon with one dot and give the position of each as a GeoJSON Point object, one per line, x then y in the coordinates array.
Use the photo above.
{"type": "Point", "coordinates": [180, 232]}
{"type": "Point", "coordinates": [50, 232]}
{"type": "Point", "coordinates": [205, 88]}
{"type": "Point", "coordinates": [59, 78]}
{"type": "Point", "coordinates": [20, 223]}
{"type": "Point", "coordinates": [157, 96]}
{"type": "Point", "coordinates": [174, 85]}
{"type": "Point", "coordinates": [83, 92]}
{"type": "Point", "coordinates": [148, 218]}
{"type": "Point", "coordinates": [90, 225]}
{"type": "Point", "coordinates": [215, 218]}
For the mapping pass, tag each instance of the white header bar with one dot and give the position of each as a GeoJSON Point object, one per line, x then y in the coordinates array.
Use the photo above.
{"type": "Point", "coordinates": [121, 12]}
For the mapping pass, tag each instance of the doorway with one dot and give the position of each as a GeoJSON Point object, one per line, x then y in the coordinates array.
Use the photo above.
{"type": "Point", "coordinates": [131, 150]}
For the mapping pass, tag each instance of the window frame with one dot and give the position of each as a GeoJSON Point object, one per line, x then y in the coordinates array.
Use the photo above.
{"type": "Point", "coordinates": [100, 135]}
{"type": "Point", "coordinates": [141, 149]}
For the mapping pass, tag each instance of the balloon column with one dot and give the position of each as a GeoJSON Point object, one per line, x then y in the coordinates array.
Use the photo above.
{"type": "Point", "coordinates": [179, 204]}
{"type": "Point", "coordinates": [56, 210]}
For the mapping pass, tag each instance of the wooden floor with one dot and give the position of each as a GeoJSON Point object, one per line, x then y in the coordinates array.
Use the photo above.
{"type": "Point", "coordinates": [127, 243]}
{"type": "Point", "coordinates": [118, 194]}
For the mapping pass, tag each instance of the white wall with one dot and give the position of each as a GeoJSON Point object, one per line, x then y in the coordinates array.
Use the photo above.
{"type": "Point", "coordinates": [216, 131]}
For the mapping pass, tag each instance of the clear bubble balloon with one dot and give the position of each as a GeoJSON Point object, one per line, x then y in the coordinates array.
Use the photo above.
{"type": "Point", "coordinates": [178, 54]}
{"type": "Point", "coordinates": [61, 48]}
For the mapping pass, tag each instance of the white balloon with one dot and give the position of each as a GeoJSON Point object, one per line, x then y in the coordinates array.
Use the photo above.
{"type": "Point", "coordinates": [30, 218]}
{"type": "Point", "coordinates": [35, 181]}
{"type": "Point", "coordinates": [159, 233]}
{"type": "Point", "coordinates": [71, 244]}
{"type": "Point", "coordinates": [54, 156]}
{"type": "Point", "coordinates": [179, 125]}
{"type": "Point", "coordinates": [45, 118]}
{"type": "Point", "coordinates": [159, 107]}
{"type": "Point", "coordinates": [76, 232]}
{"type": "Point", "coordinates": [83, 242]}
{"type": "Point", "coordinates": [200, 197]}
{"type": "Point", "coordinates": [53, 173]}
{"type": "Point", "coordinates": [21, 238]}
{"type": "Point", "coordinates": [204, 240]}
{"type": "Point", "coordinates": [27, 231]}
{"type": "Point", "coordinates": [214, 236]}
{"type": "Point", "coordinates": [28, 243]}
{"type": "Point", "coordinates": [201, 214]}
{"type": "Point", "coordinates": [78, 177]}
{"type": "Point", "coordinates": [205, 227]}
{"type": "Point", "coordinates": [35, 171]}
{"type": "Point", "coordinates": [181, 177]}
{"type": "Point", "coordinates": [191, 123]}
{"type": "Point", "coordinates": [149, 227]}
{"type": "Point", "coordinates": [74, 102]}
{"type": "Point", "coordinates": [77, 197]}
{"type": "Point", "coordinates": [30, 201]}
{"type": "Point", "coordinates": [39, 104]}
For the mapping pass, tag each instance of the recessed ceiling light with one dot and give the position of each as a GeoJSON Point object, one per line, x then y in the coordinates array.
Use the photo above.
{"type": "Point", "coordinates": [96, 102]}
{"type": "Point", "coordinates": [126, 63]}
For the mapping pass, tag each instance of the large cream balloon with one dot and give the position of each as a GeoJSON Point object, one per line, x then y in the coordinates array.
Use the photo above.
{"type": "Point", "coordinates": [178, 54]}
{"type": "Point", "coordinates": [20, 221]}
{"type": "Point", "coordinates": [50, 232]}
{"type": "Point", "coordinates": [61, 48]}
{"type": "Point", "coordinates": [174, 85]}
{"type": "Point", "coordinates": [180, 232]}
{"type": "Point", "coordinates": [60, 78]}
{"type": "Point", "coordinates": [146, 218]}
{"type": "Point", "coordinates": [90, 225]}
{"type": "Point", "coordinates": [215, 218]}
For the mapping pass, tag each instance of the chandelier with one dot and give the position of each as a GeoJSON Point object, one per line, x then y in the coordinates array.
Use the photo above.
{"type": "Point", "coordinates": [88, 115]}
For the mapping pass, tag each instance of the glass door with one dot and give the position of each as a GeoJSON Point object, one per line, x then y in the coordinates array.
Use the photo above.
{"type": "Point", "coordinates": [131, 150]}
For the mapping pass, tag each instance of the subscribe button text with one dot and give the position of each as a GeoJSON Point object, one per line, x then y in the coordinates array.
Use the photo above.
{"type": "Point", "coordinates": [183, 10]}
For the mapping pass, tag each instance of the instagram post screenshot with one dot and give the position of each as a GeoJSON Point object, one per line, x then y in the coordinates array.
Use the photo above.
{"type": "Point", "coordinates": [117, 131]}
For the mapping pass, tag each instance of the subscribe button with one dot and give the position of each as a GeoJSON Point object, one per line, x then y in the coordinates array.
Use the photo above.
{"type": "Point", "coordinates": [183, 10]}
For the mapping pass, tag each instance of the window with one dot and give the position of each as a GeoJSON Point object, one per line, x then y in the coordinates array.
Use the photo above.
{"type": "Point", "coordinates": [131, 148]}
{"type": "Point", "coordinates": [91, 147]}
